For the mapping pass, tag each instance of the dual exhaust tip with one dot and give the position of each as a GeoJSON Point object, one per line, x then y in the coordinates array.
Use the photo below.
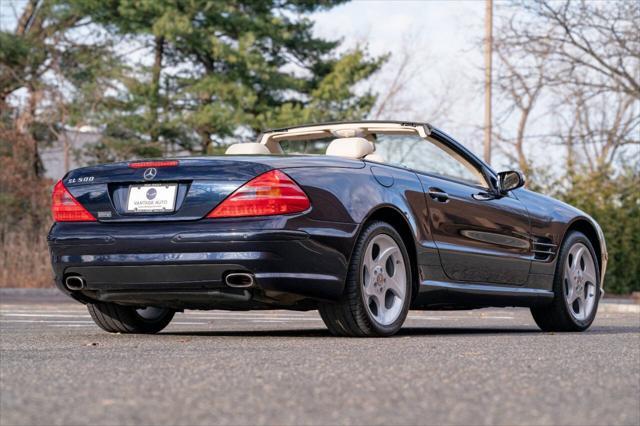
{"type": "Point", "coordinates": [239, 280]}
{"type": "Point", "coordinates": [233, 279]}
{"type": "Point", "coordinates": [74, 282]}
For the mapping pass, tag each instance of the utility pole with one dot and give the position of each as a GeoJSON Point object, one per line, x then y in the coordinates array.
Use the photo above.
{"type": "Point", "coordinates": [488, 65]}
{"type": "Point", "coordinates": [65, 149]}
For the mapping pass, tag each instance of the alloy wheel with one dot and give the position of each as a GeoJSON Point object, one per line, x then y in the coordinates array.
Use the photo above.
{"type": "Point", "coordinates": [580, 283]}
{"type": "Point", "coordinates": [384, 279]}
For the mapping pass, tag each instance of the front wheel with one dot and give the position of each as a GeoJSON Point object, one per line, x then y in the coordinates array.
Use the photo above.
{"type": "Point", "coordinates": [576, 288]}
{"type": "Point", "coordinates": [129, 319]}
{"type": "Point", "coordinates": [378, 286]}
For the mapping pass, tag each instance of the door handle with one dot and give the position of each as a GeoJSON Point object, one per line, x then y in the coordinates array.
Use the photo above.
{"type": "Point", "coordinates": [484, 196]}
{"type": "Point", "coordinates": [438, 195]}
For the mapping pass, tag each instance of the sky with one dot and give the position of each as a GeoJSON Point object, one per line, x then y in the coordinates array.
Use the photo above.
{"type": "Point", "coordinates": [444, 38]}
{"type": "Point", "coordinates": [447, 40]}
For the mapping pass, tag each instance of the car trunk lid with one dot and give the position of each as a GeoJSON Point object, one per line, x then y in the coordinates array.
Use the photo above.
{"type": "Point", "coordinates": [167, 190]}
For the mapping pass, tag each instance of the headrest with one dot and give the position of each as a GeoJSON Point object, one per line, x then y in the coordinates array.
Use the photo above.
{"type": "Point", "coordinates": [375, 157]}
{"type": "Point", "coordinates": [350, 147]}
{"type": "Point", "coordinates": [247, 149]}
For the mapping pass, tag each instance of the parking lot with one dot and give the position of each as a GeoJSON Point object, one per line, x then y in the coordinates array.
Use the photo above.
{"type": "Point", "coordinates": [277, 367]}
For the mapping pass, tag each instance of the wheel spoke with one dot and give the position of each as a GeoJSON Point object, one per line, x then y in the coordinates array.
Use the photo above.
{"type": "Point", "coordinates": [369, 263]}
{"type": "Point", "coordinates": [576, 293]}
{"type": "Point", "coordinates": [591, 289]}
{"type": "Point", "coordinates": [568, 271]}
{"type": "Point", "coordinates": [568, 293]}
{"type": "Point", "coordinates": [578, 257]}
{"type": "Point", "coordinates": [581, 305]}
{"type": "Point", "coordinates": [369, 289]}
{"type": "Point", "coordinates": [382, 310]}
{"type": "Point", "coordinates": [384, 255]}
{"type": "Point", "coordinates": [396, 287]}
{"type": "Point", "coordinates": [589, 277]}
{"type": "Point", "coordinates": [569, 282]}
{"type": "Point", "coordinates": [573, 293]}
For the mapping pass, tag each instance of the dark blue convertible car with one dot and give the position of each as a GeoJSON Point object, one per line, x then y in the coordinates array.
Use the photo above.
{"type": "Point", "coordinates": [361, 221]}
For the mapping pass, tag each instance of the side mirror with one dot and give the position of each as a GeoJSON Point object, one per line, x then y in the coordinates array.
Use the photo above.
{"type": "Point", "coordinates": [510, 180]}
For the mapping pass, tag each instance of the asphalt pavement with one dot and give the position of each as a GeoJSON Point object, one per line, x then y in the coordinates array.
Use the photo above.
{"type": "Point", "coordinates": [490, 366]}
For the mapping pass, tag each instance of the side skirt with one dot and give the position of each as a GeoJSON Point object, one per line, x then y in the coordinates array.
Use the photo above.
{"type": "Point", "coordinates": [455, 295]}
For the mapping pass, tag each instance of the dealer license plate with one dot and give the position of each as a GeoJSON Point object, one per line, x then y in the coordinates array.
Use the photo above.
{"type": "Point", "coordinates": [152, 198]}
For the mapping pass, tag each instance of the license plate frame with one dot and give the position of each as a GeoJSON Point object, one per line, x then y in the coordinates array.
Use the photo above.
{"type": "Point", "coordinates": [161, 200]}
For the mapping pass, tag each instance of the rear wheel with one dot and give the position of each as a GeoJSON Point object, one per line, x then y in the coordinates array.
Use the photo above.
{"type": "Point", "coordinates": [576, 288]}
{"type": "Point", "coordinates": [128, 319]}
{"type": "Point", "coordinates": [378, 286]}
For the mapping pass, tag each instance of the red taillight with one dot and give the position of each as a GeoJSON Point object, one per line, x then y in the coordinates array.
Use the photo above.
{"type": "Point", "coordinates": [65, 208]}
{"type": "Point", "coordinates": [156, 164]}
{"type": "Point", "coordinates": [268, 194]}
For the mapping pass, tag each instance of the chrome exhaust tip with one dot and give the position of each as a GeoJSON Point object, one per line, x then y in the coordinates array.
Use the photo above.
{"type": "Point", "coordinates": [239, 280]}
{"type": "Point", "coordinates": [74, 283]}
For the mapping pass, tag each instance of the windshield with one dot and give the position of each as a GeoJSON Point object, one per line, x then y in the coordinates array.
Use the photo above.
{"type": "Point", "coordinates": [317, 146]}
{"type": "Point", "coordinates": [428, 156]}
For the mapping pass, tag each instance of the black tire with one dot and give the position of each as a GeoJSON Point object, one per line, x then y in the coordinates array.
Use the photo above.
{"type": "Point", "coordinates": [557, 315]}
{"type": "Point", "coordinates": [125, 319]}
{"type": "Point", "coordinates": [349, 316]}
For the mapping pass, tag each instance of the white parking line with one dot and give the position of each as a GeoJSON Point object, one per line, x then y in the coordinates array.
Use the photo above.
{"type": "Point", "coordinates": [236, 316]}
{"type": "Point", "coordinates": [67, 323]}
{"type": "Point", "coordinates": [189, 312]}
{"type": "Point", "coordinates": [452, 317]}
{"type": "Point", "coordinates": [71, 325]}
{"type": "Point", "coordinates": [247, 315]}
{"type": "Point", "coordinates": [190, 316]}
{"type": "Point", "coordinates": [420, 317]}
{"type": "Point", "coordinates": [252, 317]}
{"type": "Point", "coordinates": [52, 311]}
{"type": "Point", "coordinates": [41, 309]}
{"type": "Point", "coordinates": [46, 315]}
{"type": "Point", "coordinates": [81, 308]}
{"type": "Point", "coordinates": [47, 321]}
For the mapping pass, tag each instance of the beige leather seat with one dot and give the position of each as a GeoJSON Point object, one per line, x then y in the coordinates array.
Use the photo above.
{"type": "Point", "coordinates": [247, 149]}
{"type": "Point", "coordinates": [355, 148]}
{"type": "Point", "coordinates": [375, 157]}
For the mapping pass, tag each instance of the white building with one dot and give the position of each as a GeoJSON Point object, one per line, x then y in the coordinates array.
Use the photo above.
{"type": "Point", "coordinates": [65, 154]}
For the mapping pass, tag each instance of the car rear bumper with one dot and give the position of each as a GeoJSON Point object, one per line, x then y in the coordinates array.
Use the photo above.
{"type": "Point", "coordinates": [196, 257]}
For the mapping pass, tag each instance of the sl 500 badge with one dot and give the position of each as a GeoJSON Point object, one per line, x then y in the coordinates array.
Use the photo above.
{"type": "Point", "coordinates": [83, 179]}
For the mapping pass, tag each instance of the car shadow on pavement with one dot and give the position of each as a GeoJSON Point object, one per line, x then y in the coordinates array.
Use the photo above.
{"type": "Point", "coordinates": [404, 332]}
{"type": "Point", "coordinates": [409, 331]}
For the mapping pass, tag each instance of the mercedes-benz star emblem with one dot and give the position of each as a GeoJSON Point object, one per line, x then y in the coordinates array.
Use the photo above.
{"type": "Point", "coordinates": [150, 173]}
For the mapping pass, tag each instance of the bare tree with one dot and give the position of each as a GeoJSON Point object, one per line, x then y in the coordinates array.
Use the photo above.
{"type": "Point", "coordinates": [577, 65]}
{"type": "Point", "coordinates": [605, 125]}
{"type": "Point", "coordinates": [594, 44]}
{"type": "Point", "coordinates": [400, 77]}
{"type": "Point", "coordinates": [520, 81]}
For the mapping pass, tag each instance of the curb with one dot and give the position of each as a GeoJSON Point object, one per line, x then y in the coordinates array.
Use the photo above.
{"type": "Point", "coordinates": [618, 308]}
{"type": "Point", "coordinates": [35, 295]}
{"type": "Point", "coordinates": [16, 291]}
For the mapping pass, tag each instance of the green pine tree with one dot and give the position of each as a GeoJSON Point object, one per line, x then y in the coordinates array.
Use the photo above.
{"type": "Point", "coordinates": [223, 68]}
